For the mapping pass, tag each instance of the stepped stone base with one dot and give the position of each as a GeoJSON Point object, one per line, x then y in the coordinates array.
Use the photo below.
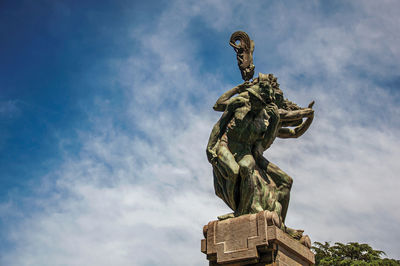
{"type": "Point", "coordinates": [253, 239]}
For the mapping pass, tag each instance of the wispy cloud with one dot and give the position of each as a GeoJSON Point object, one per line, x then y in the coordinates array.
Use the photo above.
{"type": "Point", "coordinates": [139, 194]}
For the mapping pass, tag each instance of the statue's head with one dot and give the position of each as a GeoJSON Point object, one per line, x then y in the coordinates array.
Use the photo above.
{"type": "Point", "coordinates": [256, 99]}
{"type": "Point", "coordinates": [263, 79]}
{"type": "Point", "coordinates": [266, 89]}
{"type": "Point", "coordinates": [279, 99]}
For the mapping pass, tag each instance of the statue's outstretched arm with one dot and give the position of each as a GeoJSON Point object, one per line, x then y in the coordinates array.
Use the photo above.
{"type": "Point", "coordinates": [222, 101]}
{"type": "Point", "coordinates": [294, 115]}
{"type": "Point", "coordinates": [285, 132]}
{"type": "Point", "coordinates": [293, 123]}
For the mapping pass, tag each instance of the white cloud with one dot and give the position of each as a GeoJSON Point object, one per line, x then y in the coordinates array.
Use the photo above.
{"type": "Point", "coordinates": [140, 197]}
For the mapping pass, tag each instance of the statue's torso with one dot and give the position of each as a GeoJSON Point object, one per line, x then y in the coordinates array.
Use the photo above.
{"type": "Point", "coordinates": [246, 127]}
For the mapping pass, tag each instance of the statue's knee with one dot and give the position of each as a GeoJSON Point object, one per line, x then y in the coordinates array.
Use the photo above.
{"type": "Point", "coordinates": [247, 162]}
{"type": "Point", "coordinates": [289, 182]}
{"type": "Point", "coordinates": [228, 167]}
{"type": "Point", "coordinates": [246, 168]}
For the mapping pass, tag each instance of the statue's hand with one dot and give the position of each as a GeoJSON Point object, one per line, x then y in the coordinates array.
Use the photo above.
{"type": "Point", "coordinates": [272, 110]}
{"type": "Point", "coordinates": [310, 105]}
{"type": "Point", "coordinates": [211, 155]}
{"type": "Point", "coordinates": [214, 159]}
{"type": "Point", "coordinates": [242, 87]}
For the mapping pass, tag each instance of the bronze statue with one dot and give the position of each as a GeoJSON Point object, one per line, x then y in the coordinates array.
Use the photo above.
{"type": "Point", "coordinates": [245, 180]}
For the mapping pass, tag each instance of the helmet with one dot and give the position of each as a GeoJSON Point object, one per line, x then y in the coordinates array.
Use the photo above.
{"type": "Point", "coordinates": [256, 91]}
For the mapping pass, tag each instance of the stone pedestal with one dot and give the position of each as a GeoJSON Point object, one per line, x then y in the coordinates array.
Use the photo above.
{"type": "Point", "coordinates": [253, 239]}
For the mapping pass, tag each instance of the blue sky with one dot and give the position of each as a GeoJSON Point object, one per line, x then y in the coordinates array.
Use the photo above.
{"type": "Point", "coordinates": [105, 112]}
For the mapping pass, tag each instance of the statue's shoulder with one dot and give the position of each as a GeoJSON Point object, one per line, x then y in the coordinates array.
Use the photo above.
{"type": "Point", "coordinates": [244, 95]}
{"type": "Point", "coordinates": [242, 100]}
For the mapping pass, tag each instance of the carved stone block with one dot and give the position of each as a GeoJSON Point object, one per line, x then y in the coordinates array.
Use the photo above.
{"type": "Point", "coordinates": [253, 239]}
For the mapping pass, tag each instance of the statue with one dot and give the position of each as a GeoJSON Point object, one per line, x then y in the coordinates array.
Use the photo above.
{"type": "Point", "coordinates": [254, 114]}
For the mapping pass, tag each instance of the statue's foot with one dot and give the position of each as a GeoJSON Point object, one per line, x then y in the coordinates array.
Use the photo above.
{"type": "Point", "coordinates": [226, 216]}
{"type": "Point", "coordinates": [296, 234]}
{"type": "Point", "coordinates": [306, 241]}
{"type": "Point", "coordinates": [273, 219]}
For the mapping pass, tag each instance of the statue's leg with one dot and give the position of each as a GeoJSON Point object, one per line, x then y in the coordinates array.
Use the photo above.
{"type": "Point", "coordinates": [229, 169]}
{"type": "Point", "coordinates": [227, 162]}
{"type": "Point", "coordinates": [247, 184]}
{"type": "Point", "coordinates": [220, 183]}
{"type": "Point", "coordinates": [284, 184]}
{"type": "Point", "coordinates": [220, 186]}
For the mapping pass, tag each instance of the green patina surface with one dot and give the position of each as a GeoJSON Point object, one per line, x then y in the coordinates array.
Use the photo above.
{"type": "Point", "coordinates": [255, 113]}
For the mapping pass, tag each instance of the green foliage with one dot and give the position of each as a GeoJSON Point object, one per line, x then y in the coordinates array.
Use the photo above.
{"type": "Point", "coordinates": [350, 254]}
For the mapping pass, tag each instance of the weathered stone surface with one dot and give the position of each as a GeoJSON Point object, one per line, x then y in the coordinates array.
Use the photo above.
{"type": "Point", "coordinates": [253, 239]}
